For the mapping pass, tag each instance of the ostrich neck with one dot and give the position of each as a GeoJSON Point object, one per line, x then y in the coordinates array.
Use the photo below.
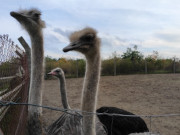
{"type": "Point", "coordinates": [90, 91]}
{"type": "Point", "coordinates": [37, 61]}
{"type": "Point", "coordinates": [63, 92]}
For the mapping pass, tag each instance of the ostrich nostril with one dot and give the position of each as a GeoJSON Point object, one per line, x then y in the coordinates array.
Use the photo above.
{"type": "Point", "coordinates": [73, 44]}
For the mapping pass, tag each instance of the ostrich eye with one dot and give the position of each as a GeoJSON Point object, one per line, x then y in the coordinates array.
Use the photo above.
{"type": "Point", "coordinates": [30, 13]}
{"type": "Point", "coordinates": [36, 15]}
{"type": "Point", "coordinates": [88, 37]}
{"type": "Point", "coordinates": [57, 71]}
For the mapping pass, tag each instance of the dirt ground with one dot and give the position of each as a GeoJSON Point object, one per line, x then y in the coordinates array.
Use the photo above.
{"type": "Point", "coordinates": [140, 94]}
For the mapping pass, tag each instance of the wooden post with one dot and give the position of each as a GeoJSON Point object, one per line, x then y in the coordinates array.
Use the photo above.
{"type": "Point", "coordinates": [115, 66]}
{"type": "Point", "coordinates": [145, 66]}
{"type": "Point", "coordinates": [77, 69]}
{"type": "Point", "coordinates": [28, 51]}
{"type": "Point", "coordinates": [1, 133]}
{"type": "Point", "coordinates": [174, 66]}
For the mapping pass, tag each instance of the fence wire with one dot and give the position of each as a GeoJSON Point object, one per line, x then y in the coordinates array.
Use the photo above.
{"type": "Point", "coordinates": [85, 113]}
{"type": "Point", "coordinates": [81, 114]}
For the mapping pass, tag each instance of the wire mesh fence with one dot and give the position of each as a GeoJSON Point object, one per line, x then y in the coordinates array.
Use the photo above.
{"type": "Point", "coordinates": [14, 83]}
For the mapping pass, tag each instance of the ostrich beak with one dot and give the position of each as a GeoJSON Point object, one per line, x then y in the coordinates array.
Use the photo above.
{"type": "Point", "coordinates": [72, 46]}
{"type": "Point", "coordinates": [51, 73]}
{"type": "Point", "coordinates": [15, 14]}
{"type": "Point", "coordinates": [19, 16]}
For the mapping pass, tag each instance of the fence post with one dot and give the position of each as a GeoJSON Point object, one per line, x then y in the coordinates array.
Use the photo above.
{"type": "Point", "coordinates": [150, 119]}
{"type": "Point", "coordinates": [145, 66]}
{"type": "Point", "coordinates": [77, 69]}
{"type": "Point", "coordinates": [1, 133]}
{"type": "Point", "coordinates": [28, 51]}
{"type": "Point", "coordinates": [174, 66]}
{"type": "Point", "coordinates": [115, 66]}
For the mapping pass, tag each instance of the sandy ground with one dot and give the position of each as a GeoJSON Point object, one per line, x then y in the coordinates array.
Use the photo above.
{"type": "Point", "coordinates": [140, 94]}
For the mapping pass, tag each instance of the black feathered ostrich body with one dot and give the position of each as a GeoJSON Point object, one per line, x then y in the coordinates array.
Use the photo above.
{"type": "Point", "coordinates": [121, 125]}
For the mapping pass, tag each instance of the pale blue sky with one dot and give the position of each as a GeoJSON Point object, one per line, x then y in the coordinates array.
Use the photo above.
{"type": "Point", "coordinates": [152, 25]}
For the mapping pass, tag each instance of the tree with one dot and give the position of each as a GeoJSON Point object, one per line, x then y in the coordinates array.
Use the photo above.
{"type": "Point", "coordinates": [132, 54]}
{"type": "Point", "coordinates": [154, 56]}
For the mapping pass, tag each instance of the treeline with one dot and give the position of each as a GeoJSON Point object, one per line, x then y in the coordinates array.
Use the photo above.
{"type": "Point", "coordinates": [130, 62]}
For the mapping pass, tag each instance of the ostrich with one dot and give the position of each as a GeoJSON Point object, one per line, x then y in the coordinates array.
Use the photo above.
{"type": "Point", "coordinates": [59, 73]}
{"type": "Point", "coordinates": [32, 23]}
{"type": "Point", "coordinates": [69, 122]}
{"type": "Point", "coordinates": [86, 42]}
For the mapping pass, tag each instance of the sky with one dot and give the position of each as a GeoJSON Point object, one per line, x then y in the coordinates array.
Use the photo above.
{"type": "Point", "coordinates": [152, 25]}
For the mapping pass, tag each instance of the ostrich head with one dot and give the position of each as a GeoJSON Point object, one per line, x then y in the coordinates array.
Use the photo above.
{"type": "Point", "coordinates": [58, 72]}
{"type": "Point", "coordinates": [29, 19]}
{"type": "Point", "coordinates": [84, 41]}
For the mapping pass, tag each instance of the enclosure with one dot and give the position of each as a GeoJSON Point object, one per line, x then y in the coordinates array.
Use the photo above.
{"type": "Point", "coordinates": [152, 94]}
{"type": "Point", "coordinates": [143, 94]}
